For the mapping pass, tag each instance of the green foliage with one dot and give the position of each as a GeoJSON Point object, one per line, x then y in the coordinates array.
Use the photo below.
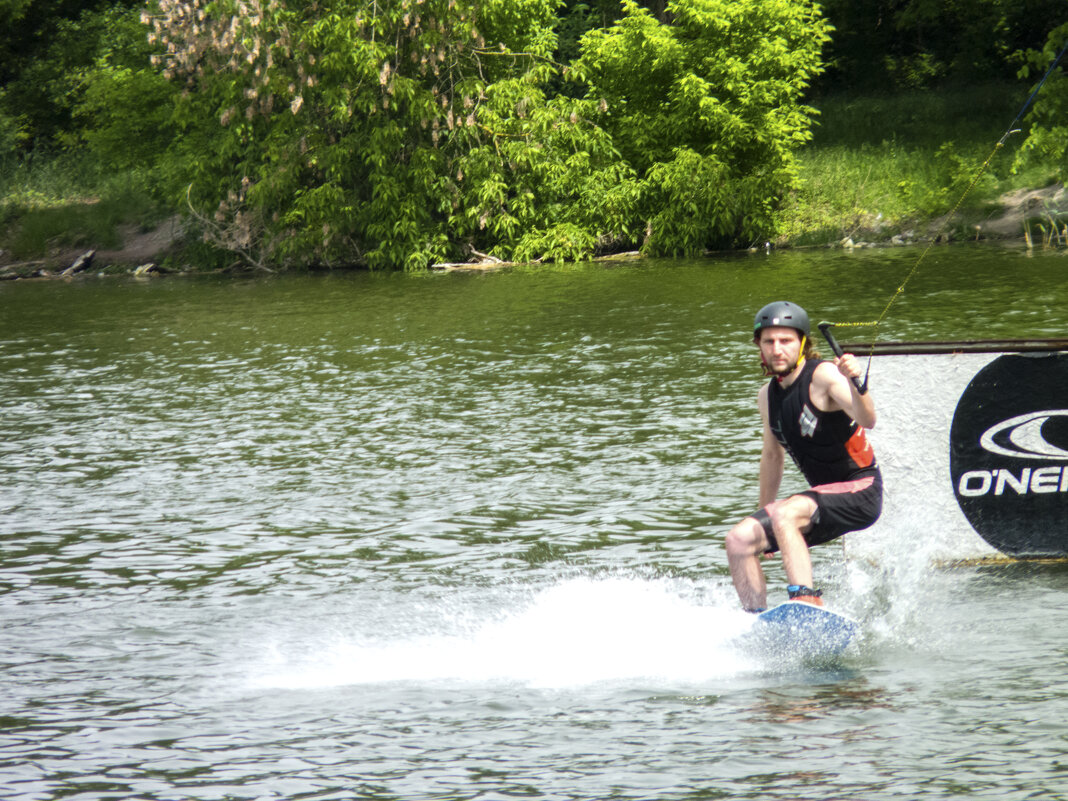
{"type": "Point", "coordinates": [947, 177]}
{"type": "Point", "coordinates": [881, 165]}
{"type": "Point", "coordinates": [1047, 142]}
{"type": "Point", "coordinates": [707, 112]}
{"type": "Point", "coordinates": [125, 106]}
{"type": "Point", "coordinates": [401, 133]}
{"type": "Point", "coordinates": [535, 167]}
{"type": "Point", "coordinates": [562, 242]}
{"type": "Point", "coordinates": [44, 50]}
{"type": "Point", "coordinates": [127, 115]}
{"type": "Point", "coordinates": [50, 202]}
{"type": "Point", "coordinates": [902, 45]}
{"type": "Point", "coordinates": [35, 231]}
{"type": "Point", "coordinates": [922, 118]}
{"type": "Point", "coordinates": [396, 133]}
{"type": "Point", "coordinates": [9, 138]}
{"type": "Point", "coordinates": [334, 132]}
{"type": "Point", "coordinates": [576, 18]}
{"type": "Point", "coordinates": [11, 11]}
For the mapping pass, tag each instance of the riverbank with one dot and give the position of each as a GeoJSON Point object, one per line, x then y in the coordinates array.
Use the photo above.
{"type": "Point", "coordinates": [880, 171]}
{"type": "Point", "coordinates": [139, 251]}
{"type": "Point", "coordinates": [1033, 217]}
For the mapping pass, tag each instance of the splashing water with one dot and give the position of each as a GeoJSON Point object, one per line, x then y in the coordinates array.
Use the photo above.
{"type": "Point", "coordinates": [577, 632]}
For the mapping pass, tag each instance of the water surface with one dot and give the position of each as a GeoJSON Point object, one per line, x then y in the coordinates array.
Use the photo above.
{"type": "Point", "coordinates": [459, 536]}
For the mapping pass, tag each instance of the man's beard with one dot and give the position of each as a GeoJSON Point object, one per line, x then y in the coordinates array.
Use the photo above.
{"type": "Point", "coordinates": [783, 373]}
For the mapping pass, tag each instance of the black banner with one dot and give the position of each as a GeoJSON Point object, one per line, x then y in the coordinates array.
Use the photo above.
{"type": "Point", "coordinates": [1009, 454]}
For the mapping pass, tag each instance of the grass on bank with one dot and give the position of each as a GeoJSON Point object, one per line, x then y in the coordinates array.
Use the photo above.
{"type": "Point", "coordinates": [881, 166]}
{"type": "Point", "coordinates": [58, 202]}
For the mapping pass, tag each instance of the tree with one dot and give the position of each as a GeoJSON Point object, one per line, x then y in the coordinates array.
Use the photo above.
{"type": "Point", "coordinates": [44, 50]}
{"type": "Point", "coordinates": [395, 133]}
{"type": "Point", "coordinates": [338, 131]}
{"type": "Point", "coordinates": [707, 111]}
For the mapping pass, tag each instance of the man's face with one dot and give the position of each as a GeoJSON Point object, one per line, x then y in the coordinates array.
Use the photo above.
{"type": "Point", "coordinates": [780, 348]}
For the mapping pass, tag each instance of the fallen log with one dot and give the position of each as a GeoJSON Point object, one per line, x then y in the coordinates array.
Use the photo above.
{"type": "Point", "coordinates": [79, 264]}
{"type": "Point", "coordinates": [471, 265]}
{"type": "Point", "coordinates": [485, 262]}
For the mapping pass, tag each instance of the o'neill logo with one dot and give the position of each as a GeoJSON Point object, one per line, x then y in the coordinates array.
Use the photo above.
{"type": "Point", "coordinates": [1024, 437]}
{"type": "Point", "coordinates": [1009, 454]}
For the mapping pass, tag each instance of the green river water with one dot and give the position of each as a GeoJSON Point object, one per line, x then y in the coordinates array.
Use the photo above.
{"type": "Point", "coordinates": [460, 536]}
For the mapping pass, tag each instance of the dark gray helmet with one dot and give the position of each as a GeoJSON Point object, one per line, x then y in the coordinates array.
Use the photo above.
{"type": "Point", "coordinates": [781, 313]}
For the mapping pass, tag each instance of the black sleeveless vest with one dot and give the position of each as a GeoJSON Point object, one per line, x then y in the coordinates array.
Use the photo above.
{"type": "Point", "coordinates": [827, 447]}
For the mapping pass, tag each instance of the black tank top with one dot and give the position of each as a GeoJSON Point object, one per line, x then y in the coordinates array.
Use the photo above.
{"type": "Point", "coordinates": [827, 447]}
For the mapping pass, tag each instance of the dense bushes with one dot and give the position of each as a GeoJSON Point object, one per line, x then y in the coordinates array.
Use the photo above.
{"type": "Point", "coordinates": [396, 133]}
{"type": "Point", "coordinates": [406, 132]}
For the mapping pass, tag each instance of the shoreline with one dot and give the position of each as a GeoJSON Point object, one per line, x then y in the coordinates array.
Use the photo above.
{"type": "Point", "coordinates": [148, 252]}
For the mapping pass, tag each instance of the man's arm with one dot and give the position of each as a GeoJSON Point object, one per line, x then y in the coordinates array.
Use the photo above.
{"type": "Point", "coordinates": [772, 455]}
{"type": "Point", "coordinates": [834, 390]}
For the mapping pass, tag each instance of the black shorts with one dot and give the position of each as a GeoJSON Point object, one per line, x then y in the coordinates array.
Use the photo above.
{"type": "Point", "coordinates": [840, 508]}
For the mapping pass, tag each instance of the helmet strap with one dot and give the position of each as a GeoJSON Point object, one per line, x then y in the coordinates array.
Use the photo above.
{"type": "Point", "coordinates": [800, 353]}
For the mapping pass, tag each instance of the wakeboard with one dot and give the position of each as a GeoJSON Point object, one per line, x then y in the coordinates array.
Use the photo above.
{"type": "Point", "coordinates": [799, 629]}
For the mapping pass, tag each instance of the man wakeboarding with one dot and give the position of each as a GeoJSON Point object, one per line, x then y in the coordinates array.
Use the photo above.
{"type": "Point", "coordinates": [813, 410]}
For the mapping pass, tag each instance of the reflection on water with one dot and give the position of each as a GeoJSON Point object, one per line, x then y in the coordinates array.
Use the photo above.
{"type": "Point", "coordinates": [458, 536]}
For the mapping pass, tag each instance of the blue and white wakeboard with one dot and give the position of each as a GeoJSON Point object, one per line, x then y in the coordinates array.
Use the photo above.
{"type": "Point", "coordinates": [797, 629]}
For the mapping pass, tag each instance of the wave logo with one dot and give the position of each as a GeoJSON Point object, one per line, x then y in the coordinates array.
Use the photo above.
{"type": "Point", "coordinates": [1022, 437]}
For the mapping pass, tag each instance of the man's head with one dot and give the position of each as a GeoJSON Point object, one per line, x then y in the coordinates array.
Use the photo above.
{"type": "Point", "coordinates": [781, 332]}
